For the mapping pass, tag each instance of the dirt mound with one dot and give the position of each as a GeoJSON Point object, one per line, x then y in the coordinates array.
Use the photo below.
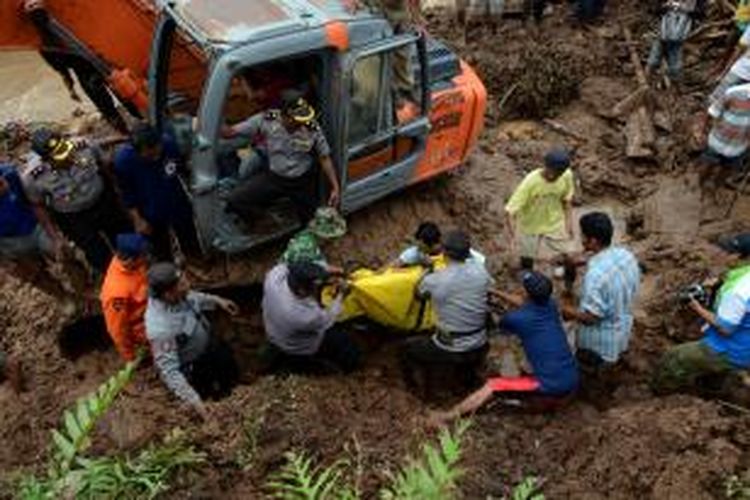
{"type": "Point", "coordinates": [677, 447]}
{"type": "Point", "coordinates": [525, 73]}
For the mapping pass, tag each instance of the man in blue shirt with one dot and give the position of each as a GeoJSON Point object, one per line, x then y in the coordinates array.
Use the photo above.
{"type": "Point", "coordinates": [147, 172]}
{"type": "Point", "coordinates": [536, 321]}
{"type": "Point", "coordinates": [725, 346]}
{"type": "Point", "coordinates": [23, 241]}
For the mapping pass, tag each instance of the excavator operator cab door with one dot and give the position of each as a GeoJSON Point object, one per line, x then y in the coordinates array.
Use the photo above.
{"type": "Point", "coordinates": [385, 116]}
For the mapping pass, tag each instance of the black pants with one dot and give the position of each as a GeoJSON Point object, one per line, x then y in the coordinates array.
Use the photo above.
{"type": "Point", "coordinates": [537, 9]}
{"type": "Point", "coordinates": [215, 373]}
{"type": "Point", "coordinates": [588, 10]}
{"type": "Point", "coordinates": [161, 242]}
{"type": "Point", "coordinates": [95, 230]}
{"type": "Point", "coordinates": [422, 358]}
{"type": "Point", "coordinates": [337, 353]}
{"type": "Point", "coordinates": [91, 81]}
{"type": "Point", "coordinates": [261, 190]}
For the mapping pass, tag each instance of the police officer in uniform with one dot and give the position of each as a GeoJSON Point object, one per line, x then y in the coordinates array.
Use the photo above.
{"type": "Point", "coordinates": [63, 181]}
{"type": "Point", "coordinates": [290, 141]}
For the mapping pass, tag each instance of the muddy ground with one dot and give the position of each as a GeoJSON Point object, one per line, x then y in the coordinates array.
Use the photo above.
{"type": "Point", "coordinates": [623, 444]}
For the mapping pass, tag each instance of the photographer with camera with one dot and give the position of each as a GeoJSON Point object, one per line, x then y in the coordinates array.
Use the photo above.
{"type": "Point", "coordinates": [725, 346]}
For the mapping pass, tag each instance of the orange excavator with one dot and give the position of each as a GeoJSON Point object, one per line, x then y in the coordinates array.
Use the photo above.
{"type": "Point", "coordinates": [193, 66]}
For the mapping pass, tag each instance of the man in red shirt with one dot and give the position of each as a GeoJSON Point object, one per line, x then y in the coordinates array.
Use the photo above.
{"type": "Point", "coordinates": [124, 295]}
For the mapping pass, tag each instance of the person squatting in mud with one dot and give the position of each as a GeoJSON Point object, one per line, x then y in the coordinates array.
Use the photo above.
{"type": "Point", "coordinates": [605, 311]}
{"type": "Point", "coordinates": [725, 346]}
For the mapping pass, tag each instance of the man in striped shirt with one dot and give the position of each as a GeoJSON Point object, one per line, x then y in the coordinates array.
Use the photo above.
{"type": "Point", "coordinates": [610, 286]}
{"type": "Point", "coordinates": [730, 134]}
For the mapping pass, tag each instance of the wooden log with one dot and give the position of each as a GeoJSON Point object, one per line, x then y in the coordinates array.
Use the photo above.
{"type": "Point", "coordinates": [630, 102]}
{"type": "Point", "coordinates": [639, 129]}
{"type": "Point", "coordinates": [563, 129]}
{"type": "Point", "coordinates": [639, 134]}
{"type": "Point", "coordinates": [640, 73]}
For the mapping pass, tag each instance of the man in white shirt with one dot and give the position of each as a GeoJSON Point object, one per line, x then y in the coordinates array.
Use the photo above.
{"type": "Point", "coordinates": [429, 245]}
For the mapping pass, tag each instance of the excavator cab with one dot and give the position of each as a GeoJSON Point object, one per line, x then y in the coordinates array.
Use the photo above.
{"type": "Point", "coordinates": [397, 107]}
{"type": "Point", "coordinates": [347, 71]}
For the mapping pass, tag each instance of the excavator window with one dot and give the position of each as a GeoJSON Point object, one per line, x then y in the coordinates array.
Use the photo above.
{"type": "Point", "coordinates": [384, 95]}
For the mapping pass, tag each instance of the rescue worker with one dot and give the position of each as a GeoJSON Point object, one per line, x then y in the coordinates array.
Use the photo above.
{"type": "Point", "coordinates": [124, 295]}
{"type": "Point", "coordinates": [459, 297]}
{"type": "Point", "coordinates": [193, 363]}
{"type": "Point", "coordinates": [327, 225]}
{"type": "Point", "coordinates": [429, 245]}
{"type": "Point", "coordinates": [65, 61]}
{"type": "Point", "coordinates": [147, 171]}
{"type": "Point", "coordinates": [291, 142]}
{"type": "Point", "coordinates": [301, 332]}
{"type": "Point", "coordinates": [64, 182]}
{"type": "Point", "coordinates": [536, 321]}
{"type": "Point", "coordinates": [24, 243]}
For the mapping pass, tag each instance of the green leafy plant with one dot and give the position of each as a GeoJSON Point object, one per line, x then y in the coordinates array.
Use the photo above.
{"type": "Point", "coordinates": [80, 421]}
{"type": "Point", "coordinates": [528, 489]}
{"type": "Point", "coordinates": [143, 476]}
{"type": "Point", "coordinates": [737, 488]}
{"type": "Point", "coordinates": [252, 426]}
{"type": "Point", "coordinates": [435, 475]}
{"type": "Point", "coordinates": [298, 479]}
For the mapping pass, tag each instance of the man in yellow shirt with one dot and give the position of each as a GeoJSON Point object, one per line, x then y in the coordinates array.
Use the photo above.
{"type": "Point", "coordinates": [539, 214]}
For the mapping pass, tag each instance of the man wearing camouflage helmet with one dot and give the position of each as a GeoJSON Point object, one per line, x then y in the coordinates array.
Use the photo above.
{"type": "Point", "coordinates": [306, 245]}
{"type": "Point", "coordinates": [290, 141]}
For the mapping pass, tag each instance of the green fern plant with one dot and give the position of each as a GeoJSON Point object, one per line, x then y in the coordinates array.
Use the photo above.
{"type": "Point", "coordinates": [80, 421]}
{"type": "Point", "coordinates": [528, 489]}
{"type": "Point", "coordinates": [143, 476]}
{"type": "Point", "coordinates": [435, 475]}
{"type": "Point", "coordinates": [737, 488]}
{"type": "Point", "coordinates": [73, 437]}
{"type": "Point", "coordinates": [298, 479]}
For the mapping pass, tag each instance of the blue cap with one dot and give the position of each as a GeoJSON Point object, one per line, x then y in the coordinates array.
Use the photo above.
{"type": "Point", "coordinates": [537, 285]}
{"type": "Point", "coordinates": [131, 245]}
{"type": "Point", "coordinates": [557, 159]}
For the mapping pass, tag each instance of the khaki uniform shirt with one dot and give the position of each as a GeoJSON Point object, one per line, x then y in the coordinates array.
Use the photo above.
{"type": "Point", "coordinates": [290, 155]}
{"type": "Point", "coordinates": [64, 190]}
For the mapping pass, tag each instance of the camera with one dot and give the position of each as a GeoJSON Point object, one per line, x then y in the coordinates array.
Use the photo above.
{"type": "Point", "coordinates": [694, 291]}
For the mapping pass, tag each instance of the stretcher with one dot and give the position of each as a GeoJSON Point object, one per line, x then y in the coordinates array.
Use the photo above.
{"type": "Point", "coordinates": [388, 297]}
